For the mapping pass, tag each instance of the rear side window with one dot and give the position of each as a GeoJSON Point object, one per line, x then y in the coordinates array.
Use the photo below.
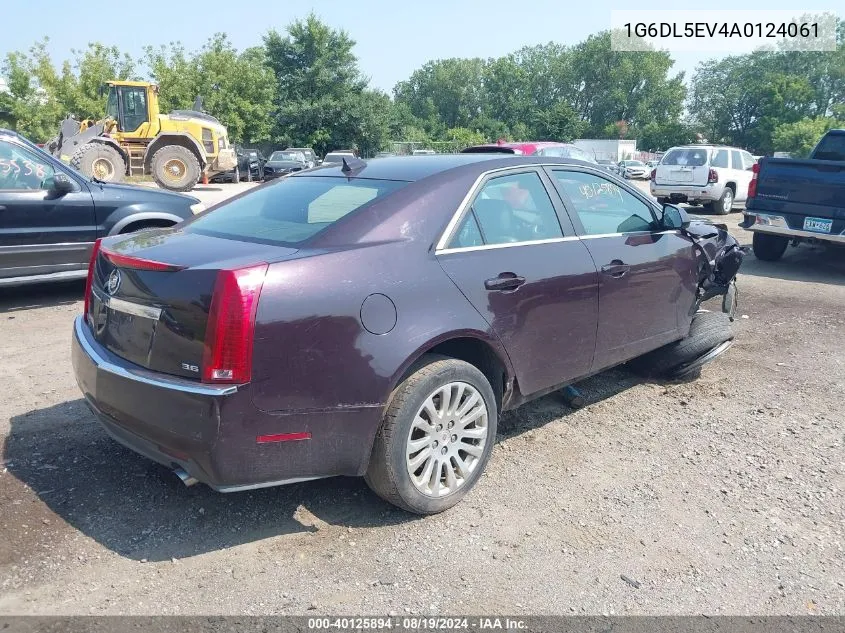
{"type": "Point", "coordinates": [720, 158]}
{"type": "Point", "coordinates": [686, 156]}
{"type": "Point", "coordinates": [509, 209]}
{"type": "Point", "coordinates": [736, 160]}
{"type": "Point", "coordinates": [831, 147]}
{"type": "Point", "coordinates": [291, 210]}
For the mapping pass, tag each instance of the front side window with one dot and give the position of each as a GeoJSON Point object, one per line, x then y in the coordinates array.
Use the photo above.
{"type": "Point", "coordinates": [134, 108]}
{"type": "Point", "coordinates": [22, 169]}
{"type": "Point", "coordinates": [510, 209]}
{"type": "Point", "coordinates": [747, 160]}
{"type": "Point", "coordinates": [292, 210]}
{"type": "Point", "coordinates": [602, 206]}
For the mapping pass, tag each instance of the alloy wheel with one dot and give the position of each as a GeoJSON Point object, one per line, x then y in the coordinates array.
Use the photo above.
{"type": "Point", "coordinates": [447, 439]}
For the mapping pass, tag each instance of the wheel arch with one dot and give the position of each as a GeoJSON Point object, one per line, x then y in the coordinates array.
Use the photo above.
{"type": "Point", "coordinates": [174, 138]}
{"type": "Point", "coordinates": [476, 348]}
{"type": "Point", "coordinates": [123, 218]}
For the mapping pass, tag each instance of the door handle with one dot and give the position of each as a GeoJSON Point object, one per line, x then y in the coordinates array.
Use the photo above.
{"type": "Point", "coordinates": [616, 269]}
{"type": "Point", "coordinates": [2, 207]}
{"type": "Point", "coordinates": [505, 281]}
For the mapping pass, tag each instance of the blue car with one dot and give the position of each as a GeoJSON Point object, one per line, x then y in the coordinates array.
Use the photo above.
{"type": "Point", "coordinates": [51, 215]}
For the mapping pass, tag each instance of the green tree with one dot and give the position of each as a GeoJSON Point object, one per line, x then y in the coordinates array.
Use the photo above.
{"type": "Point", "coordinates": [32, 101]}
{"type": "Point", "coordinates": [450, 89]}
{"type": "Point", "coordinates": [322, 100]}
{"type": "Point", "coordinates": [800, 137]}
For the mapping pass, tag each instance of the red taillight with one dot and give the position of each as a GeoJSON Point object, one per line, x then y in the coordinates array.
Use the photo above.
{"type": "Point", "coordinates": [89, 281]}
{"type": "Point", "coordinates": [752, 186]}
{"type": "Point", "coordinates": [227, 356]}
{"type": "Point", "coordinates": [712, 176]}
{"type": "Point", "coordinates": [138, 263]}
{"type": "Point", "coordinates": [653, 175]}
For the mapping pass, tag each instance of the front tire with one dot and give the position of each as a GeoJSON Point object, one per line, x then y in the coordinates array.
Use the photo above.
{"type": "Point", "coordinates": [769, 248]}
{"type": "Point", "coordinates": [436, 437]}
{"type": "Point", "coordinates": [100, 161]}
{"type": "Point", "coordinates": [176, 168]}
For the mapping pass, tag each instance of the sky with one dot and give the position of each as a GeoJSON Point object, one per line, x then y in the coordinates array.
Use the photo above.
{"type": "Point", "coordinates": [393, 37]}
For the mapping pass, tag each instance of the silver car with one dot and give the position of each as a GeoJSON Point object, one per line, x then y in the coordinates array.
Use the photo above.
{"type": "Point", "coordinates": [632, 169]}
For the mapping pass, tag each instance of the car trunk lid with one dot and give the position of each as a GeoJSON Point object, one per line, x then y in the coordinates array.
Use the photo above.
{"type": "Point", "coordinates": [151, 294]}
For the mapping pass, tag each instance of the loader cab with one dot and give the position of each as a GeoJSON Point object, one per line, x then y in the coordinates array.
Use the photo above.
{"type": "Point", "coordinates": [129, 105]}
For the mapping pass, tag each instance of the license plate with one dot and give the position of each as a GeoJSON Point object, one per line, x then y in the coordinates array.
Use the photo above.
{"type": "Point", "coordinates": [818, 225]}
{"type": "Point", "coordinates": [682, 176]}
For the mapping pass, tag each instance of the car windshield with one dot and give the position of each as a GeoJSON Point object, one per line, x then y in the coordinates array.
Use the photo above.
{"type": "Point", "coordinates": [292, 210]}
{"type": "Point", "coordinates": [295, 156]}
{"type": "Point", "coordinates": [831, 147]}
{"type": "Point", "coordinates": [690, 157]}
{"type": "Point", "coordinates": [634, 163]}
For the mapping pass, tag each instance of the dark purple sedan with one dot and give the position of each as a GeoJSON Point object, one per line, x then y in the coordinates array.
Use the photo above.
{"type": "Point", "coordinates": [376, 318]}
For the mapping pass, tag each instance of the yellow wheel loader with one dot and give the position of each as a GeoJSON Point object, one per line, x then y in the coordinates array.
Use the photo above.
{"type": "Point", "coordinates": [135, 139]}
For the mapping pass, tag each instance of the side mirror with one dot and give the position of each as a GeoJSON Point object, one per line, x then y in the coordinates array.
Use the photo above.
{"type": "Point", "coordinates": [674, 217]}
{"type": "Point", "coordinates": [58, 185]}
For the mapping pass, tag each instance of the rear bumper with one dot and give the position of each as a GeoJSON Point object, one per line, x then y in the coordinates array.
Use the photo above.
{"type": "Point", "coordinates": [688, 193]}
{"type": "Point", "coordinates": [779, 224]}
{"type": "Point", "coordinates": [211, 431]}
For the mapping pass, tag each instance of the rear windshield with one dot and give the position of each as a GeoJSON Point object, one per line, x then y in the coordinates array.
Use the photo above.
{"type": "Point", "coordinates": [286, 155]}
{"type": "Point", "coordinates": [831, 147]}
{"type": "Point", "coordinates": [290, 210]}
{"type": "Point", "coordinates": [689, 156]}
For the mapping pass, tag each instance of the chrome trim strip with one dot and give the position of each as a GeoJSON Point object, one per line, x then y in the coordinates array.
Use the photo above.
{"type": "Point", "coordinates": [129, 307]}
{"type": "Point", "coordinates": [488, 247]}
{"type": "Point", "coordinates": [266, 484]}
{"type": "Point", "coordinates": [174, 384]}
{"type": "Point", "coordinates": [600, 235]}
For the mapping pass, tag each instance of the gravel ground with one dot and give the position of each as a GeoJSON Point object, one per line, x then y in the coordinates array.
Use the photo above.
{"type": "Point", "coordinates": [718, 496]}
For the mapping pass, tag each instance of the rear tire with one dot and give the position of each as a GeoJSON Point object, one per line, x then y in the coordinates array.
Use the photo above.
{"type": "Point", "coordinates": [176, 168]}
{"type": "Point", "coordinates": [100, 161]}
{"type": "Point", "coordinates": [406, 430]}
{"type": "Point", "coordinates": [769, 248]}
{"type": "Point", "coordinates": [708, 330]}
{"type": "Point", "coordinates": [725, 202]}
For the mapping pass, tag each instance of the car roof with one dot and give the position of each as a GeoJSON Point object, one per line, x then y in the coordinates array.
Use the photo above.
{"type": "Point", "coordinates": [414, 168]}
{"type": "Point", "coordinates": [527, 147]}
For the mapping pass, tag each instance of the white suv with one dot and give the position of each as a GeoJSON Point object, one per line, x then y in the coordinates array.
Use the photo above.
{"type": "Point", "coordinates": [713, 175]}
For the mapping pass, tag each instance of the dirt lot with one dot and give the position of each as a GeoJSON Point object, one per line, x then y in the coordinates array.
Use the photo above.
{"type": "Point", "coordinates": [722, 495]}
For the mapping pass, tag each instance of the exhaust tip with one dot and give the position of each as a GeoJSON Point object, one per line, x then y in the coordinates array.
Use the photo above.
{"type": "Point", "coordinates": [186, 478]}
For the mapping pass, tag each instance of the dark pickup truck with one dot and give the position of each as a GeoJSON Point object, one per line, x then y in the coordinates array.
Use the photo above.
{"type": "Point", "coordinates": [793, 201]}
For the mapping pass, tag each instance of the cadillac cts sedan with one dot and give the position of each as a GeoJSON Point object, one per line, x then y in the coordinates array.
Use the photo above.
{"type": "Point", "coordinates": [376, 318]}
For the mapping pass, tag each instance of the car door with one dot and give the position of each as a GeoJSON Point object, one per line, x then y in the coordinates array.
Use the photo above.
{"type": "Point", "coordinates": [40, 232]}
{"type": "Point", "coordinates": [528, 275]}
{"type": "Point", "coordinates": [741, 173]}
{"type": "Point", "coordinates": [647, 276]}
